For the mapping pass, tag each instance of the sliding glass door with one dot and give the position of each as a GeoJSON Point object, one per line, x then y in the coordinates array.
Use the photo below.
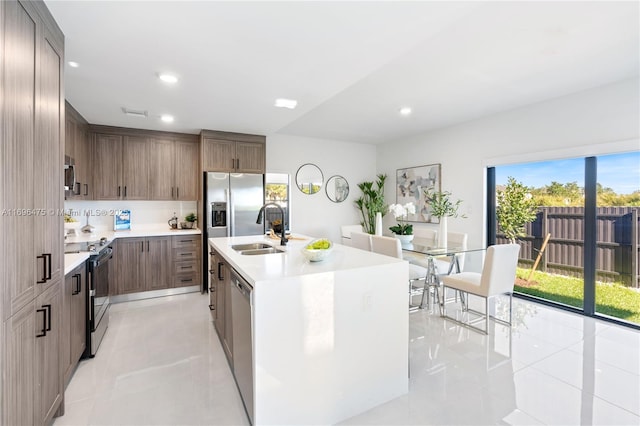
{"type": "Point", "coordinates": [581, 250]}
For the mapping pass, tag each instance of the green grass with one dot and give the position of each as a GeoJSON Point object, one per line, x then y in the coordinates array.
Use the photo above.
{"type": "Point", "coordinates": [614, 300]}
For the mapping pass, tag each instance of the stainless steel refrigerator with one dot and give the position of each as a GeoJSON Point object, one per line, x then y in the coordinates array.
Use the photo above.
{"type": "Point", "coordinates": [231, 202]}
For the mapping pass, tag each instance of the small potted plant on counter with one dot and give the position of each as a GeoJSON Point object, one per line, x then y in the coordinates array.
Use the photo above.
{"type": "Point", "coordinates": [190, 221]}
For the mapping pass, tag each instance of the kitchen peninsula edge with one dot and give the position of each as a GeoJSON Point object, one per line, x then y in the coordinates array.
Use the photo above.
{"type": "Point", "coordinates": [330, 338]}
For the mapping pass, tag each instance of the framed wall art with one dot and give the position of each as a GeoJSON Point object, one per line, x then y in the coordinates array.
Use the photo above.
{"type": "Point", "coordinates": [410, 186]}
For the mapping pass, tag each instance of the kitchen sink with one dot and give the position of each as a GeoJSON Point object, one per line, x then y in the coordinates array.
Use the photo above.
{"type": "Point", "coordinates": [254, 252]}
{"type": "Point", "coordinates": [252, 246]}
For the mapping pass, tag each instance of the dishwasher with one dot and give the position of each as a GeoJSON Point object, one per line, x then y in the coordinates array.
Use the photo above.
{"type": "Point", "coordinates": [242, 342]}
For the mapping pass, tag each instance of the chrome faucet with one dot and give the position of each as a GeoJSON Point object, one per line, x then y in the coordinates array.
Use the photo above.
{"type": "Point", "coordinates": [283, 239]}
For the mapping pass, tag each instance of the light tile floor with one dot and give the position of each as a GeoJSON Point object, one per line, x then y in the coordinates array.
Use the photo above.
{"type": "Point", "coordinates": [161, 363]}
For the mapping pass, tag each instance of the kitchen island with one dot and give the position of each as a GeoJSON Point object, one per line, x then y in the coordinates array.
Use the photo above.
{"type": "Point", "coordinates": [329, 338]}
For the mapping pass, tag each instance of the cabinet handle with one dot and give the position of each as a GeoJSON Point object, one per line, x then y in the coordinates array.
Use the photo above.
{"type": "Point", "coordinates": [186, 280]}
{"type": "Point", "coordinates": [142, 246]}
{"type": "Point", "coordinates": [44, 269]}
{"type": "Point", "coordinates": [48, 326]}
{"type": "Point", "coordinates": [185, 254]}
{"type": "Point", "coordinates": [185, 267]}
{"type": "Point", "coordinates": [147, 245]}
{"type": "Point", "coordinates": [48, 258]}
{"type": "Point", "coordinates": [44, 323]}
{"type": "Point", "coordinates": [177, 192]}
{"type": "Point", "coordinates": [86, 189]}
{"type": "Point", "coordinates": [212, 308]}
{"type": "Point", "coordinates": [118, 190]}
{"type": "Point", "coordinates": [125, 191]}
{"type": "Point", "coordinates": [78, 286]}
{"type": "Point", "coordinates": [172, 192]}
{"type": "Point", "coordinates": [220, 277]}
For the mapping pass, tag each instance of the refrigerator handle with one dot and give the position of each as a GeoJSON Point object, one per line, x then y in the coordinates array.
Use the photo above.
{"type": "Point", "coordinates": [230, 213]}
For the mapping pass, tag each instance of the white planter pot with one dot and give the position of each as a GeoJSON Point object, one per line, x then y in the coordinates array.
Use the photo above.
{"type": "Point", "coordinates": [404, 239]}
{"type": "Point", "coordinates": [442, 233]}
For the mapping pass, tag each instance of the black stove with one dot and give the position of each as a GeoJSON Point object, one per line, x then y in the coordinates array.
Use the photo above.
{"type": "Point", "coordinates": [93, 247]}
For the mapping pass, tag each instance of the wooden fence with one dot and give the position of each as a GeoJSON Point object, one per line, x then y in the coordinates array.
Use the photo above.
{"type": "Point", "coordinates": [617, 238]}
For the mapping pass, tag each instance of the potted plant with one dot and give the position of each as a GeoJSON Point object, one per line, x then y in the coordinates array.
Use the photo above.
{"type": "Point", "coordinates": [515, 208]}
{"type": "Point", "coordinates": [442, 207]}
{"type": "Point", "coordinates": [190, 221]}
{"type": "Point", "coordinates": [371, 203]}
{"type": "Point", "coordinates": [402, 230]}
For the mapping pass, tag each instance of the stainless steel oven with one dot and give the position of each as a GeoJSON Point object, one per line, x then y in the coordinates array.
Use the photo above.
{"type": "Point", "coordinates": [100, 272]}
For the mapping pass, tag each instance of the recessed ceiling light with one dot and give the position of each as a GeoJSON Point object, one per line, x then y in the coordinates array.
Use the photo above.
{"type": "Point", "coordinates": [168, 78]}
{"type": "Point", "coordinates": [405, 111]}
{"type": "Point", "coordinates": [286, 103]}
{"type": "Point", "coordinates": [73, 64]}
{"type": "Point", "coordinates": [167, 118]}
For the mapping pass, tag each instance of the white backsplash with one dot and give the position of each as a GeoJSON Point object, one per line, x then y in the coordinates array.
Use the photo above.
{"type": "Point", "coordinates": [144, 214]}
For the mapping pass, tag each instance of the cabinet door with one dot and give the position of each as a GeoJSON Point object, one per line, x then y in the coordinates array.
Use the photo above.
{"type": "Point", "coordinates": [135, 168]}
{"type": "Point", "coordinates": [83, 162]}
{"type": "Point", "coordinates": [250, 157]}
{"type": "Point", "coordinates": [218, 155]}
{"type": "Point", "coordinates": [19, 354]}
{"type": "Point", "coordinates": [186, 171]}
{"type": "Point", "coordinates": [78, 318]}
{"type": "Point", "coordinates": [161, 169]}
{"type": "Point", "coordinates": [131, 271]}
{"type": "Point", "coordinates": [159, 263]}
{"type": "Point", "coordinates": [18, 98]}
{"type": "Point", "coordinates": [107, 167]}
{"type": "Point", "coordinates": [69, 137]}
{"type": "Point", "coordinates": [65, 333]}
{"type": "Point", "coordinates": [218, 278]}
{"type": "Point", "coordinates": [47, 360]}
{"type": "Point", "coordinates": [48, 149]}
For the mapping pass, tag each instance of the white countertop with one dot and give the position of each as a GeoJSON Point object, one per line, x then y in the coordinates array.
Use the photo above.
{"type": "Point", "coordinates": [292, 263]}
{"type": "Point", "coordinates": [72, 260]}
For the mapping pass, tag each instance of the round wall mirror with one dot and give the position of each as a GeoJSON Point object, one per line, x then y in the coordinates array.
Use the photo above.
{"type": "Point", "coordinates": [309, 178]}
{"type": "Point", "coordinates": [337, 188]}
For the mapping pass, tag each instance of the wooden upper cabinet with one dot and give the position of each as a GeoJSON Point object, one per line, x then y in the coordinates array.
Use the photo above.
{"type": "Point", "coordinates": [250, 157]}
{"type": "Point", "coordinates": [186, 170]}
{"type": "Point", "coordinates": [232, 152]}
{"type": "Point", "coordinates": [107, 166]}
{"type": "Point", "coordinates": [135, 168]}
{"type": "Point", "coordinates": [78, 147]}
{"type": "Point", "coordinates": [161, 169]}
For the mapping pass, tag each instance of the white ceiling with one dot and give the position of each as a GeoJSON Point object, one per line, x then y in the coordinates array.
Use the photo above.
{"type": "Point", "coordinates": [350, 65]}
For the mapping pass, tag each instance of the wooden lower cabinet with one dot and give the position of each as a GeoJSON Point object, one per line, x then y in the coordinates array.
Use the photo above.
{"type": "Point", "coordinates": [32, 385]}
{"type": "Point", "coordinates": [143, 264]}
{"type": "Point", "coordinates": [220, 301]}
{"type": "Point", "coordinates": [74, 320]}
{"type": "Point", "coordinates": [186, 260]}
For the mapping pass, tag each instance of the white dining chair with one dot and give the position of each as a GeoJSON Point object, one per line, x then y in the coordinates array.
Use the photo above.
{"type": "Point", "coordinates": [497, 277]}
{"type": "Point", "coordinates": [390, 246]}
{"type": "Point", "coordinates": [361, 240]}
{"type": "Point", "coordinates": [346, 230]}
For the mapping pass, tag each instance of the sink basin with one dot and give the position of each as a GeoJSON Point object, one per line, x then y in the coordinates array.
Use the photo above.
{"type": "Point", "coordinates": [252, 246]}
{"type": "Point", "coordinates": [254, 252]}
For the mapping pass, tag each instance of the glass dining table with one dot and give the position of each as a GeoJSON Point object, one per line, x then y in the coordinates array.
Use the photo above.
{"type": "Point", "coordinates": [427, 252]}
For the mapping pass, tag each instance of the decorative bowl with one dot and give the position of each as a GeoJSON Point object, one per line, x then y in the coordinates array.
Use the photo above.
{"type": "Point", "coordinates": [317, 254]}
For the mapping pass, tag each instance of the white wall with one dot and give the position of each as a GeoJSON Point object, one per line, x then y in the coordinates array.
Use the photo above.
{"type": "Point", "coordinates": [315, 214]}
{"type": "Point", "coordinates": [597, 121]}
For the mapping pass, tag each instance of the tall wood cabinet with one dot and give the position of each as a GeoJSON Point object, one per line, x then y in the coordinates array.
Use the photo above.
{"type": "Point", "coordinates": [232, 152]}
{"type": "Point", "coordinates": [31, 198]}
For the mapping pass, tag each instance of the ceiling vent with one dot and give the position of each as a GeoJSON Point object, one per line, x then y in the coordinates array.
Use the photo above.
{"type": "Point", "coordinates": [135, 112]}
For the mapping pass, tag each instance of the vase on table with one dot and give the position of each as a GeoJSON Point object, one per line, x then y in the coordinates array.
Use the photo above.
{"type": "Point", "coordinates": [404, 239]}
{"type": "Point", "coordinates": [442, 233]}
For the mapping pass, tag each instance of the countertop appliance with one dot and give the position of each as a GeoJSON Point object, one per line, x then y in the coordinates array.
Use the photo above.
{"type": "Point", "coordinates": [99, 274]}
{"type": "Point", "coordinates": [242, 340]}
{"type": "Point", "coordinates": [231, 202]}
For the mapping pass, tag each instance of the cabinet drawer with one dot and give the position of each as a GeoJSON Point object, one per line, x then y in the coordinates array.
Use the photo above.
{"type": "Point", "coordinates": [187, 241]}
{"type": "Point", "coordinates": [186, 267]}
{"type": "Point", "coordinates": [183, 254]}
{"type": "Point", "coordinates": [186, 279]}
